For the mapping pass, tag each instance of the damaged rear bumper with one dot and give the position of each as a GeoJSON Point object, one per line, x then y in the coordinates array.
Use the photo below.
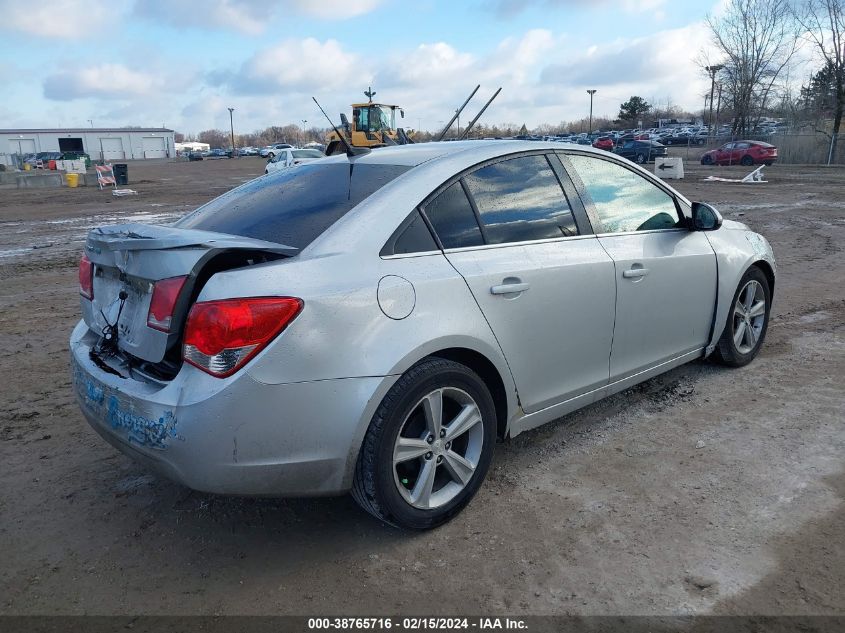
{"type": "Point", "coordinates": [232, 436]}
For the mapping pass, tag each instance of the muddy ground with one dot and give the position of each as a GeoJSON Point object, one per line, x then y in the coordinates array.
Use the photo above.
{"type": "Point", "coordinates": [705, 490]}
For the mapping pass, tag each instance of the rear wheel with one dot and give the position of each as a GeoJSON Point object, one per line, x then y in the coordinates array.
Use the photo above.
{"type": "Point", "coordinates": [428, 447]}
{"type": "Point", "coordinates": [747, 322]}
{"type": "Point", "coordinates": [746, 160]}
{"type": "Point", "coordinates": [641, 159]}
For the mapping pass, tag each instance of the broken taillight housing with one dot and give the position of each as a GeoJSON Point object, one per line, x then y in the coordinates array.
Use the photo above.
{"type": "Point", "coordinates": [221, 336]}
{"type": "Point", "coordinates": [162, 305]}
{"type": "Point", "coordinates": [86, 277]}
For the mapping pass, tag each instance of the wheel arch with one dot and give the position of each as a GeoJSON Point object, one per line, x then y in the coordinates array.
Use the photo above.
{"type": "Point", "coordinates": [768, 271]}
{"type": "Point", "coordinates": [488, 373]}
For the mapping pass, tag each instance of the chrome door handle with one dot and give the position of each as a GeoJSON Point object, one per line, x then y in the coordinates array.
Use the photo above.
{"type": "Point", "coordinates": [506, 289]}
{"type": "Point", "coordinates": [634, 273]}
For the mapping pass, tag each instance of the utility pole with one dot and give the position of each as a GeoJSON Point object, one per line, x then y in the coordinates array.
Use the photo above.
{"type": "Point", "coordinates": [590, 126]}
{"type": "Point", "coordinates": [232, 128]}
{"type": "Point", "coordinates": [712, 70]}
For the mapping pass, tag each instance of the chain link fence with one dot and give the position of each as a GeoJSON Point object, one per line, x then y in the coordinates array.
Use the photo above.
{"type": "Point", "coordinates": [793, 149]}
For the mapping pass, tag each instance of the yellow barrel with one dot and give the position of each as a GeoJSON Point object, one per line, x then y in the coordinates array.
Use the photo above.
{"type": "Point", "coordinates": [72, 180]}
{"type": "Point", "coordinates": [27, 167]}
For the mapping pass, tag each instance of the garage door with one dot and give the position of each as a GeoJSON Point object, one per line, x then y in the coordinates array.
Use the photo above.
{"type": "Point", "coordinates": [154, 147]}
{"type": "Point", "coordinates": [112, 148]}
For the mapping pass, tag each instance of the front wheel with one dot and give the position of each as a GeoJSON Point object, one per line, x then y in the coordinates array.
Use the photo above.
{"type": "Point", "coordinates": [428, 446]}
{"type": "Point", "coordinates": [706, 160]}
{"type": "Point", "coordinates": [747, 322]}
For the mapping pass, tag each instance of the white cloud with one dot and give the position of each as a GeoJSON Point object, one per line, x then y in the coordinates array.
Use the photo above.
{"type": "Point", "coordinates": [299, 65]}
{"type": "Point", "coordinates": [62, 19]}
{"type": "Point", "coordinates": [105, 81]}
{"type": "Point", "coordinates": [244, 16]}
{"type": "Point", "coordinates": [335, 9]}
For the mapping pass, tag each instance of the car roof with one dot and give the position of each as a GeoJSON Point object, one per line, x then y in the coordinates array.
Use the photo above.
{"type": "Point", "coordinates": [418, 153]}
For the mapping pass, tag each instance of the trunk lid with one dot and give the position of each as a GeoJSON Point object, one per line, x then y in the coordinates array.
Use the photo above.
{"type": "Point", "coordinates": [133, 257]}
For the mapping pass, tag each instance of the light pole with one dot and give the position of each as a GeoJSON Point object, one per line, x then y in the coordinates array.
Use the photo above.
{"type": "Point", "coordinates": [304, 121]}
{"type": "Point", "coordinates": [232, 128]}
{"type": "Point", "coordinates": [712, 70]}
{"type": "Point", "coordinates": [590, 127]}
{"type": "Point", "coordinates": [91, 121]}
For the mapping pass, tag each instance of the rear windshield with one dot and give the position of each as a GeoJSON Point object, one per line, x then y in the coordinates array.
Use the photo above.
{"type": "Point", "coordinates": [293, 206]}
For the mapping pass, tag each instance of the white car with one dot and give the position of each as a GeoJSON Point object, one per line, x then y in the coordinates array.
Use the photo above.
{"type": "Point", "coordinates": [289, 157]}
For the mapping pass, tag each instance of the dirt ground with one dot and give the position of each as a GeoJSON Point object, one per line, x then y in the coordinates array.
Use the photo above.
{"type": "Point", "coordinates": [705, 490]}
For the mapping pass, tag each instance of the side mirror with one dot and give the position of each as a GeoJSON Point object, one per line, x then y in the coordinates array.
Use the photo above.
{"type": "Point", "coordinates": [705, 217]}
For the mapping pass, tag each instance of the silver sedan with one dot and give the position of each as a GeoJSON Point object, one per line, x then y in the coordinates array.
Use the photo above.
{"type": "Point", "coordinates": [374, 323]}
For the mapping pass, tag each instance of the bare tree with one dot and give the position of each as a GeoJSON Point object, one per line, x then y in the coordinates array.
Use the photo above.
{"type": "Point", "coordinates": [757, 39]}
{"type": "Point", "coordinates": [823, 23]}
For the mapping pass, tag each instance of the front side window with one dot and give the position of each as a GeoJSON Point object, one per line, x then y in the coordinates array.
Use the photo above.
{"type": "Point", "coordinates": [519, 200]}
{"type": "Point", "coordinates": [623, 199]}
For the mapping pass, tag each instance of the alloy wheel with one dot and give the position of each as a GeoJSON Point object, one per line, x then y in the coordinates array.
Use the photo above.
{"type": "Point", "coordinates": [749, 316]}
{"type": "Point", "coordinates": [438, 448]}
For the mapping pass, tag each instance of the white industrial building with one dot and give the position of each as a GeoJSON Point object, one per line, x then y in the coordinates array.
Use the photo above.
{"type": "Point", "coordinates": [108, 144]}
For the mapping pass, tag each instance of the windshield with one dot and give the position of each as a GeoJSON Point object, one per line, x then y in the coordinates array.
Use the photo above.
{"type": "Point", "coordinates": [307, 153]}
{"type": "Point", "coordinates": [293, 206]}
{"type": "Point", "coordinates": [382, 118]}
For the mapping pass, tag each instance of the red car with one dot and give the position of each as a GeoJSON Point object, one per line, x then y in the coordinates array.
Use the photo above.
{"type": "Point", "coordinates": [604, 142]}
{"type": "Point", "coordinates": [741, 153]}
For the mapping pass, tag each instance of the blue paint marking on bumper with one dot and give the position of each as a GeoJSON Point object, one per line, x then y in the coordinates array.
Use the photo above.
{"type": "Point", "coordinates": [152, 432]}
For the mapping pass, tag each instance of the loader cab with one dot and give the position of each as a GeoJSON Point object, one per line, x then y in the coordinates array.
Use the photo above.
{"type": "Point", "coordinates": [368, 118]}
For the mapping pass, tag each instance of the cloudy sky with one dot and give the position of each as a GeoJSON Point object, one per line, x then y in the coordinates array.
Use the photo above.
{"type": "Point", "coordinates": [181, 63]}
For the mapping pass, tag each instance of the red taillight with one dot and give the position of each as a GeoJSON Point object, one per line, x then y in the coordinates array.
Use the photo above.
{"type": "Point", "coordinates": [165, 294]}
{"type": "Point", "coordinates": [221, 336]}
{"type": "Point", "coordinates": [86, 278]}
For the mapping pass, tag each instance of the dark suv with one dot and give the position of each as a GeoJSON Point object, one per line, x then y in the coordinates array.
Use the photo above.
{"type": "Point", "coordinates": [641, 151]}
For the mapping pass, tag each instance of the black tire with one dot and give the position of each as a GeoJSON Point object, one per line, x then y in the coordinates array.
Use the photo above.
{"type": "Point", "coordinates": [768, 163]}
{"type": "Point", "coordinates": [641, 159]}
{"type": "Point", "coordinates": [706, 160]}
{"type": "Point", "coordinates": [271, 155]}
{"type": "Point", "coordinates": [727, 352]}
{"type": "Point", "coordinates": [374, 487]}
{"type": "Point", "coordinates": [746, 161]}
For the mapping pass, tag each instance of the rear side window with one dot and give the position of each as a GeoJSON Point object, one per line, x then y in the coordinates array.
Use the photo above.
{"type": "Point", "coordinates": [453, 219]}
{"type": "Point", "coordinates": [292, 207]}
{"type": "Point", "coordinates": [624, 200]}
{"type": "Point", "coordinates": [519, 200]}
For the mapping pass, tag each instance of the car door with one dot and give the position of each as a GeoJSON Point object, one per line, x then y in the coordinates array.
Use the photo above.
{"type": "Point", "coordinates": [723, 154]}
{"type": "Point", "coordinates": [544, 284]}
{"type": "Point", "coordinates": [665, 274]}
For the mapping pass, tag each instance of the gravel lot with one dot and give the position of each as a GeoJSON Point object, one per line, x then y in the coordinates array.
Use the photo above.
{"type": "Point", "coordinates": [705, 490]}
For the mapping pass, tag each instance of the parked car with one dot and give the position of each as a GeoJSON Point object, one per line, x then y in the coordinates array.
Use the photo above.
{"type": "Point", "coordinates": [247, 151]}
{"type": "Point", "coordinates": [641, 151]}
{"type": "Point", "coordinates": [683, 138]}
{"type": "Point", "coordinates": [217, 152]}
{"type": "Point", "coordinates": [271, 150]}
{"type": "Point", "coordinates": [745, 153]}
{"type": "Point", "coordinates": [289, 157]}
{"type": "Point", "coordinates": [362, 335]}
{"type": "Point", "coordinates": [605, 143]}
